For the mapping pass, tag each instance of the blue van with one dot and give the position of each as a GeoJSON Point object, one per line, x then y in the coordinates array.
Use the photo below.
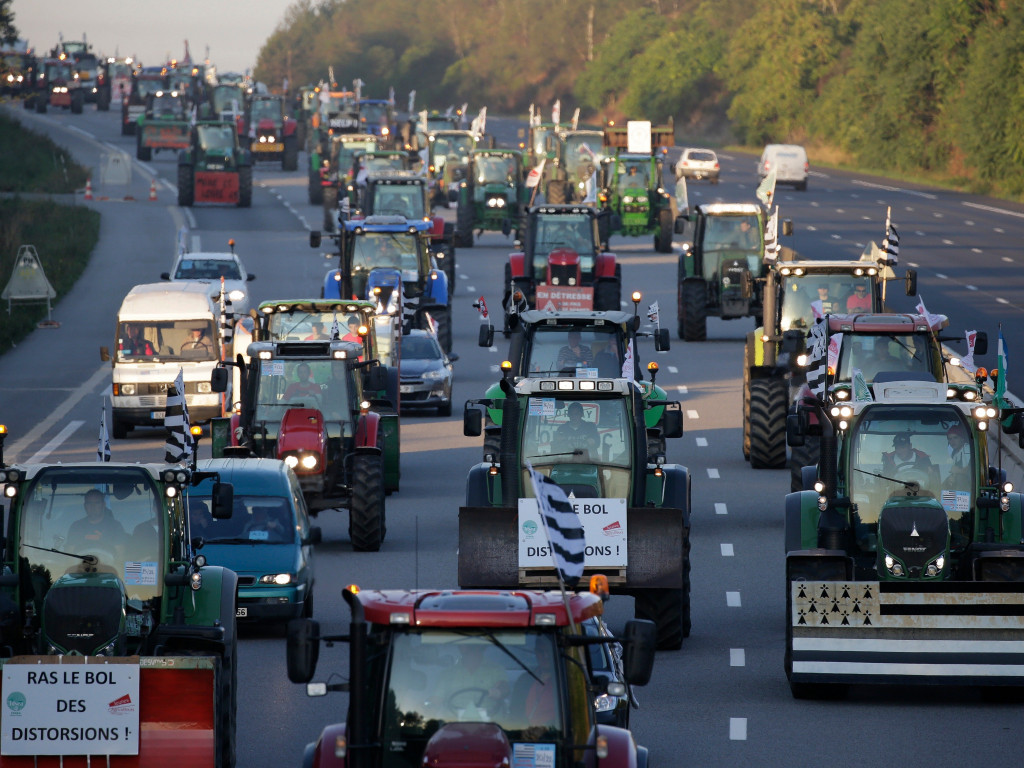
{"type": "Point", "coordinates": [268, 540]}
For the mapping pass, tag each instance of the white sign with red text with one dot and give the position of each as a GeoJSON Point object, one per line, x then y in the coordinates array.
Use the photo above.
{"type": "Point", "coordinates": [604, 531]}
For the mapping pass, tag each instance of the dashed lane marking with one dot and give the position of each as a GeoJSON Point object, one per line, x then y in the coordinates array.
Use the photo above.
{"type": "Point", "coordinates": [727, 550]}
{"type": "Point", "coordinates": [993, 209]}
{"type": "Point", "coordinates": [732, 599]}
{"type": "Point", "coordinates": [682, 389]}
{"type": "Point", "coordinates": [737, 657]}
{"type": "Point", "coordinates": [702, 442]}
{"type": "Point", "coordinates": [737, 729]}
{"type": "Point", "coordinates": [713, 473]}
{"type": "Point", "coordinates": [721, 508]}
{"type": "Point", "coordinates": [692, 414]}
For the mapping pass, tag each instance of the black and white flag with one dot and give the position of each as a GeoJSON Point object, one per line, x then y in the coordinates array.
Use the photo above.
{"type": "Point", "coordinates": [562, 525]}
{"type": "Point", "coordinates": [226, 317]}
{"type": "Point", "coordinates": [891, 243]}
{"type": "Point", "coordinates": [771, 236]}
{"type": "Point", "coordinates": [335, 330]}
{"type": "Point", "coordinates": [103, 443]}
{"type": "Point", "coordinates": [179, 439]}
{"type": "Point", "coordinates": [817, 358]}
{"type": "Point", "coordinates": [654, 314]}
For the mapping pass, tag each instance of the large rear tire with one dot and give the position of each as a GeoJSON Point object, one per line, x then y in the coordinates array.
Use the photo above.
{"type": "Point", "coordinates": [290, 155]}
{"type": "Point", "coordinates": [805, 455]}
{"type": "Point", "coordinates": [444, 328]}
{"type": "Point", "coordinates": [693, 318]}
{"type": "Point", "coordinates": [330, 206]}
{"type": "Point", "coordinates": [768, 423]}
{"type": "Point", "coordinates": [315, 190]}
{"type": "Point", "coordinates": [366, 525]}
{"type": "Point", "coordinates": [555, 194]}
{"type": "Point", "coordinates": [77, 102]}
{"type": "Point", "coordinates": [663, 240]}
{"type": "Point", "coordinates": [145, 154]}
{"type": "Point", "coordinates": [464, 223]}
{"type": "Point", "coordinates": [669, 609]}
{"type": "Point", "coordinates": [245, 186]}
{"type": "Point", "coordinates": [41, 104]}
{"type": "Point", "coordinates": [746, 410]}
{"type": "Point", "coordinates": [608, 296]}
{"type": "Point", "coordinates": [186, 185]}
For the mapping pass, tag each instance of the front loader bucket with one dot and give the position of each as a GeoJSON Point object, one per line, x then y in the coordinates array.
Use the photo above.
{"type": "Point", "coordinates": [489, 551]}
{"type": "Point", "coordinates": [170, 724]}
{"type": "Point", "coordinates": [165, 135]}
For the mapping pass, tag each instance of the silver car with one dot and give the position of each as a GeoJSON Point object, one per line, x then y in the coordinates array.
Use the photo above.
{"type": "Point", "coordinates": [698, 164]}
{"type": "Point", "coordinates": [427, 373]}
{"type": "Point", "coordinates": [210, 267]}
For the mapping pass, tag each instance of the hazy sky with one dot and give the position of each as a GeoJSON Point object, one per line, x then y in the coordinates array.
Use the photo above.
{"type": "Point", "coordinates": [151, 29]}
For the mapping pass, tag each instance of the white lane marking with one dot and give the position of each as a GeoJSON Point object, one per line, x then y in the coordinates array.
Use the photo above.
{"type": "Point", "coordinates": [116, 149]}
{"type": "Point", "coordinates": [289, 207]}
{"type": "Point", "coordinates": [937, 214]}
{"type": "Point", "coordinates": [673, 369]}
{"type": "Point", "coordinates": [702, 442]}
{"type": "Point", "coordinates": [968, 222]}
{"type": "Point", "coordinates": [191, 218]}
{"type": "Point", "coordinates": [840, 210]}
{"type": "Point", "coordinates": [682, 389]}
{"type": "Point", "coordinates": [811, 228]}
{"type": "Point", "coordinates": [737, 729]}
{"type": "Point", "coordinates": [76, 129]}
{"type": "Point", "coordinates": [727, 550]}
{"type": "Point", "coordinates": [59, 438]}
{"type": "Point", "coordinates": [919, 233]}
{"type": "Point", "coordinates": [1007, 259]}
{"type": "Point", "coordinates": [941, 276]}
{"type": "Point", "coordinates": [304, 222]}
{"type": "Point", "coordinates": [991, 209]}
{"type": "Point", "coordinates": [60, 411]}
{"type": "Point", "coordinates": [947, 242]}
{"type": "Point", "coordinates": [912, 264]}
{"type": "Point", "coordinates": [1000, 230]}
{"type": "Point", "coordinates": [1001, 300]}
{"type": "Point", "coordinates": [737, 657]}
{"type": "Point", "coordinates": [732, 599]}
{"type": "Point", "coordinates": [463, 277]}
{"type": "Point", "coordinates": [713, 473]}
{"type": "Point", "coordinates": [971, 287]}
{"type": "Point", "coordinates": [197, 244]}
{"type": "Point", "coordinates": [814, 204]}
{"type": "Point", "coordinates": [720, 508]}
{"type": "Point", "coordinates": [146, 167]}
{"type": "Point", "coordinates": [908, 208]}
{"type": "Point", "coordinates": [493, 349]}
{"type": "Point", "coordinates": [471, 289]}
{"type": "Point", "coordinates": [894, 189]}
{"type": "Point", "coordinates": [495, 369]}
{"type": "Point", "coordinates": [692, 414]}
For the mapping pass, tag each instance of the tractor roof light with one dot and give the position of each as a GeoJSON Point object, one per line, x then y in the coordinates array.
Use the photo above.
{"type": "Point", "coordinates": [636, 297]}
{"type": "Point", "coordinates": [652, 366]}
{"type": "Point", "coordinates": [950, 393]}
{"type": "Point", "coordinates": [980, 412]}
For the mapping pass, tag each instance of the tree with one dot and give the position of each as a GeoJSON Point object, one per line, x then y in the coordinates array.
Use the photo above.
{"type": "Point", "coordinates": [8, 32]}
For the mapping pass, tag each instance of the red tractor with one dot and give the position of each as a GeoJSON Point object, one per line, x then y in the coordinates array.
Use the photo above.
{"type": "Point", "coordinates": [473, 678]}
{"type": "Point", "coordinates": [272, 134]}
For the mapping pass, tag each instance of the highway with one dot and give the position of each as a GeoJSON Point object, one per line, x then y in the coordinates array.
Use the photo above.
{"type": "Point", "coordinates": [723, 699]}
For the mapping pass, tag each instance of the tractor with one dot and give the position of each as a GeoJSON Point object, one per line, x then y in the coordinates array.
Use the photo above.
{"type": "Point", "coordinates": [58, 86]}
{"type": "Point", "coordinates": [164, 125]}
{"type": "Point", "coordinates": [493, 195]}
{"type": "Point", "coordinates": [214, 169]}
{"type": "Point", "coordinates": [580, 154]}
{"type": "Point", "coordinates": [331, 166]}
{"type": "Point", "coordinates": [145, 81]}
{"type": "Point", "coordinates": [448, 163]}
{"type": "Point", "coordinates": [377, 116]}
{"type": "Point", "coordinates": [271, 132]}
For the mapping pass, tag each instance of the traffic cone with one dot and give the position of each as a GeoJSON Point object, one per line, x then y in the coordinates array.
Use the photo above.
{"type": "Point", "coordinates": [88, 189]}
{"type": "Point", "coordinates": [152, 189]}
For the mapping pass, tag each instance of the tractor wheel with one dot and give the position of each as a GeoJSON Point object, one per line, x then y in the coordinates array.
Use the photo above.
{"type": "Point", "coordinates": [316, 192]}
{"type": "Point", "coordinates": [227, 698]}
{"type": "Point", "coordinates": [746, 410]}
{"type": "Point", "coordinates": [124, 127]}
{"type": "Point", "coordinates": [119, 429]}
{"type": "Point", "coordinates": [366, 510]}
{"type": "Point", "coordinates": [444, 328]}
{"type": "Point", "coordinates": [492, 439]}
{"type": "Point", "coordinates": [290, 156]}
{"type": "Point", "coordinates": [555, 193]}
{"type": "Point", "coordinates": [28, 102]}
{"type": "Point", "coordinates": [669, 609]}
{"type": "Point", "coordinates": [330, 205]}
{"type": "Point", "coordinates": [145, 154]}
{"type": "Point", "coordinates": [608, 296]}
{"type": "Point", "coordinates": [604, 229]}
{"type": "Point", "coordinates": [663, 240]}
{"type": "Point", "coordinates": [693, 320]}
{"type": "Point", "coordinates": [245, 186]}
{"type": "Point", "coordinates": [186, 185]}
{"type": "Point", "coordinates": [103, 102]}
{"type": "Point", "coordinates": [77, 102]}
{"type": "Point", "coordinates": [41, 104]}
{"type": "Point", "coordinates": [768, 423]}
{"type": "Point", "coordinates": [804, 456]}
{"type": "Point", "coordinates": [464, 224]}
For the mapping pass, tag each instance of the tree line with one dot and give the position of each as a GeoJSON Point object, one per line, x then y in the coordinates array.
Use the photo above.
{"type": "Point", "coordinates": [905, 85]}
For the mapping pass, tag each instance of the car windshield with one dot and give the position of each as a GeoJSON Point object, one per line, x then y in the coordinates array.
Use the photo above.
{"type": "Point", "coordinates": [805, 299]}
{"type": "Point", "coordinates": [495, 170]}
{"type": "Point", "coordinates": [207, 269]}
{"type": "Point", "coordinates": [700, 156]}
{"type": "Point", "coordinates": [420, 348]}
{"type": "Point", "coordinates": [256, 520]}
{"type": "Point", "coordinates": [436, 677]}
{"type": "Point", "coordinates": [399, 199]}
{"type": "Point", "coordinates": [216, 137]}
{"type": "Point", "coordinates": [927, 446]}
{"type": "Point", "coordinates": [167, 340]}
{"type": "Point", "coordinates": [574, 231]}
{"type": "Point", "coordinates": [395, 250]}
{"type": "Point", "coordinates": [115, 515]}
{"type": "Point", "coordinates": [572, 351]}
{"type": "Point", "coordinates": [888, 353]}
{"type": "Point", "coordinates": [583, 445]}
{"type": "Point", "coordinates": [289, 383]}
{"type": "Point", "coordinates": [266, 109]}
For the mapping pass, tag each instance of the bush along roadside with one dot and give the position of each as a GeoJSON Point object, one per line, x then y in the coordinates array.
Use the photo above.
{"type": "Point", "coordinates": [31, 162]}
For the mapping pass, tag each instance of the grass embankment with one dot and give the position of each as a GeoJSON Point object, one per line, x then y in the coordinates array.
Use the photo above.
{"type": "Point", "coordinates": [64, 235]}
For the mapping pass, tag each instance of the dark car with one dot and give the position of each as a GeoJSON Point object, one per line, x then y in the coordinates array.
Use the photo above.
{"type": "Point", "coordinates": [606, 667]}
{"type": "Point", "coordinates": [268, 540]}
{"type": "Point", "coordinates": [427, 373]}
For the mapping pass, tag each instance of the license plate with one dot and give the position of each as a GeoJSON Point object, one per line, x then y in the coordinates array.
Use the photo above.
{"type": "Point", "coordinates": [241, 613]}
{"type": "Point", "coordinates": [267, 147]}
{"type": "Point", "coordinates": [406, 389]}
{"type": "Point", "coordinates": [156, 414]}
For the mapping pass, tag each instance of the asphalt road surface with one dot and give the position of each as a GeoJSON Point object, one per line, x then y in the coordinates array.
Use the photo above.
{"type": "Point", "coordinates": [720, 701]}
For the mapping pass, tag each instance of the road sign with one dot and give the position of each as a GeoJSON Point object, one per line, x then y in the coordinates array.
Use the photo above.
{"type": "Point", "coordinates": [28, 284]}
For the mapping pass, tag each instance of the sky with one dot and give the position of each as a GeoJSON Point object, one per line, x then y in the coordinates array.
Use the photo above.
{"type": "Point", "coordinates": [152, 30]}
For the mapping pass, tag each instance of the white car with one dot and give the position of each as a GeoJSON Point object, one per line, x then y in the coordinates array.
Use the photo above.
{"type": "Point", "coordinates": [698, 164]}
{"type": "Point", "coordinates": [789, 162]}
{"type": "Point", "coordinates": [210, 268]}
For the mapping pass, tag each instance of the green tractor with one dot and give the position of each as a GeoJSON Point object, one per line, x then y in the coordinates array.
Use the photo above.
{"type": "Point", "coordinates": [588, 436]}
{"type": "Point", "coordinates": [573, 180]}
{"type": "Point", "coordinates": [214, 169]}
{"type": "Point", "coordinates": [448, 163]}
{"type": "Point", "coordinates": [493, 196]}
{"type": "Point", "coordinates": [164, 125]}
{"type": "Point", "coordinates": [904, 565]}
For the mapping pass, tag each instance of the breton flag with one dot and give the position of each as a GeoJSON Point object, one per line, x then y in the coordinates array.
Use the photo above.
{"type": "Point", "coordinates": [766, 189]}
{"type": "Point", "coordinates": [817, 359]}
{"type": "Point", "coordinates": [556, 111]}
{"type": "Point", "coordinates": [891, 243]}
{"type": "Point", "coordinates": [562, 525]}
{"type": "Point", "coordinates": [654, 314]}
{"type": "Point", "coordinates": [178, 447]}
{"type": "Point", "coordinates": [226, 316]}
{"type": "Point", "coordinates": [771, 236]}
{"type": "Point", "coordinates": [479, 124]}
{"type": "Point", "coordinates": [335, 330]}
{"type": "Point", "coordinates": [103, 444]}
{"type": "Point", "coordinates": [533, 177]}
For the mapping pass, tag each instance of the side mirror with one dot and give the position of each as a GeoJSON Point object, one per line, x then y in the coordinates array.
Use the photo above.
{"type": "Point", "coordinates": [911, 286]}
{"type": "Point", "coordinates": [104, 354]}
{"type": "Point", "coordinates": [314, 238]}
{"type": "Point", "coordinates": [222, 499]}
{"type": "Point", "coordinates": [639, 639]}
{"type": "Point", "coordinates": [486, 337]}
{"type": "Point", "coordinates": [679, 227]}
{"type": "Point", "coordinates": [250, 277]}
{"type": "Point", "coordinates": [376, 378]}
{"type": "Point", "coordinates": [981, 343]}
{"type": "Point", "coordinates": [302, 649]}
{"type": "Point", "coordinates": [165, 275]}
{"type": "Point", "coordinates": [794, 431]}
{"type": "Point", "coordinates": [661, 340]}
{"type": "Point", "coordinates": [672, 420]}
{"type": "Point", "coordinates": [787, 227]}
{"type": "Point", "coordinates": [472, 422]}
{"type": "Point", "coordinates": [219, 379]}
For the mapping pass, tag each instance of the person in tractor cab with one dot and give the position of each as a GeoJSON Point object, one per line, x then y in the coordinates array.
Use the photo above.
{"type": "Point", "coordinates": [476, 683]}
{"type": "Point", "coordinates": [98, 527]}
{"type": "Point", "coordinates": [577, 434]}
{"type": "Point", "coordinates": [304, 386]}
{"type": "Point", "coordinates": [859, 300]}
{"type": "Point", "coordinates": [959, 476]}
{"type": "Point", "coordinates": [823, 304]}
{"type": "Point", "coordinates": [353, 330]}
{"type": "Point", "coordinates": [575, 354]}
{"type": "Point", "coordinates": [904, 459]}
{"type": "Point", "coordinates": [318, 333]}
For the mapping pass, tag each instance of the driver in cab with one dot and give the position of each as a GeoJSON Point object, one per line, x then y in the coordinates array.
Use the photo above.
{"type": "Point", "coordinates": [477, 684]}
{"type": "Point", "coordinates": [904, 458]}
{"type": "Point", "coordinates": [577, 434]}
{"type": "Point", "coordinates": [98, 526]}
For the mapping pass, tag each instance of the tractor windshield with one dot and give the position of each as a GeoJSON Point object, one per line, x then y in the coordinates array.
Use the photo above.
{"type": "Point", "coordinates": [120, 69]}
{"type": "Point", "coordinates": [890, 356]}
{"type": "Point", "coordinates": [393, 250]}
{"type": "Point", "coordinates": [489, 169]}
{"type": "Point", "coordinates": [60, 70]}
{"type": "Point", "coordinates": [931, 447]}
{"type": "Point", "coordinates": [454, 147]}
{"type": "Point", "coordinates": [82, 520]}
{"type": "Point", "coordinates": [343, 153]}
{"type": "Point", "coordinates": [144, 87]}
{"type": "Point", "coordinates": [582, 156]}
{"type": "Point", "coordinates": [216, 137]}
{"type": "Point", "coordinates": [634, 174]}
{"type": "Point", "coordinates": [574, 231]}
{"type": "Point", "coordinates": [373, 114]}
{"type": "Point", "coordinates": [399, 199]}
{"type": "Point", "coordinates": [391, 161]}
{"type": "Point", "coordinates": [166, 105]}
{"type": "Point", "coordinates": [507, 677]}
{"type": "Point", "coordinates": [573, 351]}
{"type": "Point", "coordinates": [226, 99]}
{"type": "Point", "coordinates": [806, 299]}
{"type": "Point", "coordinates": [584, 446]}
{"type": "Point", "coordinates": [266, 109]}
{"type": "Point", "coordinates": [290, 383]}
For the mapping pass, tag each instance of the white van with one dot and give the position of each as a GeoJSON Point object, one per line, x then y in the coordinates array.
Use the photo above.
{"type": "Point", "coordinates": [161, 328]}
{"type": "Point", "coordinates": [789, 162]}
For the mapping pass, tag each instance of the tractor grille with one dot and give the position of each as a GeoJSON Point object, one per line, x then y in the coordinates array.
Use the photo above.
{"type": "Point", "coordinates": [916, 535]}
{"type": "Point", "coordinates": [82, 619]}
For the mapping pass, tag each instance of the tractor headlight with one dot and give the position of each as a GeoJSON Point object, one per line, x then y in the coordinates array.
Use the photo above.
{"type": "Point", "coordinates": [203, 388]}
{"type": "Point", "coordinates": [627, 199]}
{"type": "Point", "coordinates": [308, 462]}
{"type": "Point", "coordinates": [604, 703]}
{"type": "Point", "coordinates": [291, 461]}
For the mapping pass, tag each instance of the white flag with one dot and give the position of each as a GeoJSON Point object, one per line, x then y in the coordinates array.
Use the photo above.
{"type": "Point", "coordinates": [835, 345]}
{"type": "Point", "coordinates": [933, 320]}
{"type": "Point", "coordinates": [654, 314]}
{"type": "Point", "coordinates": [766, 189]}
{"type": "Point", "coordinates": [479, 125]}
{"type": "Point", "coordinates": [627, 362]}
{"type": "Point", "coordinates": [532, 112]}
{"type": "Point", "coordinates": [533, 177]}
{"type": "Point", "coordinates": [178, 447]}
{"type": "Point", "coordinates": [391, 95]}
{"type": "Point", "coordinates": [412, 100]}
{"type": "Point", "coordinates": [424, 127]}
{"type": "Point", "coordinates": [562, 525]}
{"type": "Point", "coordinates": [556, 111]}
{"type": "Point", "coordinates": [818, 309]}
{"type": "Point", "coordinates": [103, 444]}
{"type": "Point", "coordinates": [967, 361]}
{"type": "Point", "coordinates": [576, 119]}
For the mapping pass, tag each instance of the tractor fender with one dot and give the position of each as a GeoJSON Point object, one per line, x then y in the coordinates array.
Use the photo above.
{"type": "Point", "coordinates": [322, 753]}
{"type": "Point", "coordinates": [605, 265]}
{"type": "Point", "coordinates": [289, 127]}
{"type": "Point", "coordinates": [801, 521]}
{"type": "Point", "coordinates": [437, 287]}
{"type": "Point", "coordinates": [478, 486]}
{"type": "Point", "coordinates": [216, 595]}
{"type": "Point", "coordinates": [367, 429]}
{"type": "Point", "coordinates": [677, 490]}
{"type": "Point", "coordinates": [622, 749]}
{"type": "Point", "coordinates": [332, 284]}
{"type": "Point", "coordinates": [517, 261]}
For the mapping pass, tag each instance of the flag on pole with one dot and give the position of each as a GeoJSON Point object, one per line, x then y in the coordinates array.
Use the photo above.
{"type": "Point", "coordinates": [576, 119]}
{"type": "Point", "coordinates": [654, 314]}
{"type": "Point", "coordinates": [533, 177]}
{"type": "Point", "coordinates": [627, 362]}
{"type": "Point", "coordinates": [556, 111]}
{"type": "Point", "coordinates": [335, 330]}
{"type": "Point", "coordinates": [178, 447]}
{"type": "Point", "coordinates": [412, 100]}
{"type": "Point", "coordinates": [391, 95]}
{"type": "Point", "coordinates": [766, 189]}
{"type": "Point", "coordinates": [481, 307]}
{"type": "Point", "coordinates": [967, 361]}
{"type": "Point", "coordinates": [817, 362]}
{"type": "Point", "coordinates": [891, 244]}
{"type": "Point", "coordinates": [226, 316]}
{"type": "Point", "coordinates": [932, 320]}
{"type": "Point", "coordinates": [562, 525]}
{"type": "Point", "coordinates": [479, 124]}
{"type": "Point", "coordinates": [771, 236]}
{"type": "Point", "coordinates": [424, 127]}
{"type": "Point", "coordinates": [1002, 366]}
{"type": "Point", "coordinates": [532, 112]}
{"type": "Point", "coordinates": [103, 444]}
{"type": "Point", "coordinates": [861, 391]}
